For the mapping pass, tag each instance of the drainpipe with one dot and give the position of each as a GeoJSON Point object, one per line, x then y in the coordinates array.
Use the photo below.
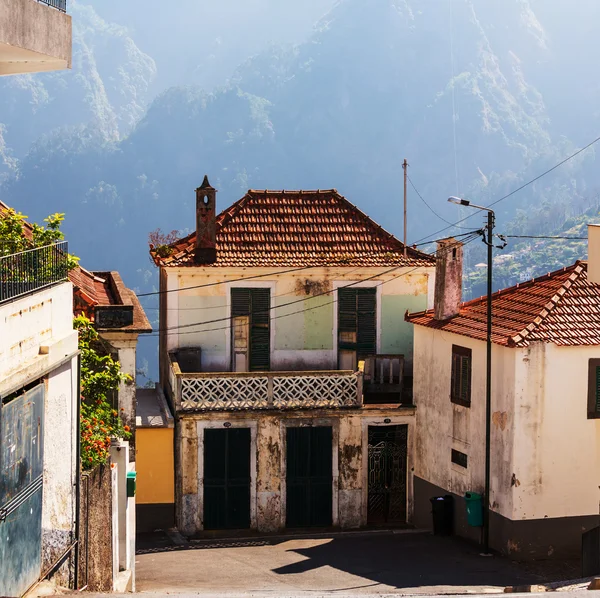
{"type": "Point", "coordinates": [78, 473]}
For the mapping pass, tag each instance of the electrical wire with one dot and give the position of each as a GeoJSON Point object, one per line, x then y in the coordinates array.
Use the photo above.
{"type": "Point", "coordinates": [537, 178]}
{"type": "Point", "coordinates": [544, 237]}
{"type": "Point", "coordinates": [204, 307]}
{"type": "Point", "coordinates": [175, 329]}
{"type": "Point", "coordinates": [341, 262]}
{"type": "Point", "coordinates": [421, 198]}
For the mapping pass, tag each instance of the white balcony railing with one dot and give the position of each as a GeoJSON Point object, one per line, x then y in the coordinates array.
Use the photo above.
{"type": "Point", "coordinates": [224, 391]}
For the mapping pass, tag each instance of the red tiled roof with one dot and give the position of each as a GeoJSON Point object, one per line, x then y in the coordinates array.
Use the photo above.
{"type": "Point", "coordinates": [297, 228]}
{"type": "Point", "coordinates": [106, 288]}
{"type": "Point", "coordinates": [562, 307]}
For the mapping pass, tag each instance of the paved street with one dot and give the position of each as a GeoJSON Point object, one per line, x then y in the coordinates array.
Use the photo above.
{"type": "Point", "coordinates": [345, 564]}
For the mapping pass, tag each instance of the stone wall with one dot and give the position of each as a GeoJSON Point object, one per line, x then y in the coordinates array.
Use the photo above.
{"type": "Point", "coordinates": [95, 551]}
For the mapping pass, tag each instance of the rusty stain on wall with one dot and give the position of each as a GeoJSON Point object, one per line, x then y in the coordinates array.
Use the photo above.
{"type": "Point", "coordinates": [312, 287]}
{"type": "Point", "coordinates": [500, 419]}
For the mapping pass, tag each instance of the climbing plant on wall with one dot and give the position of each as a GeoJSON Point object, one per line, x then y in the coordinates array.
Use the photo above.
{"type": "Point", "coordinates": [100, 379]}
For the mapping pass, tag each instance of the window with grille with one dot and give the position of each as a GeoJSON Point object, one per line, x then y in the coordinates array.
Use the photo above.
{"type": "Point", "coordinates": [357, 325]}
{"type": "Point", "coordinates": [460, 391]}
{"type": "Point", "coordinates": [594, 389]}
{"type": "Point", "coordinates": [251, 338]}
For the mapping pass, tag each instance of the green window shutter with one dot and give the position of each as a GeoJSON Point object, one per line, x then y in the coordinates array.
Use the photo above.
{"type": "Point", "coordinates": [597, 389]}
{"type": "Point", "coordinates": [465, 378]}
{"type": "Point", "coordinates": [260, 337]}
{"type": "Point", "coordinates": [366, 337]}
{"type": "Point", "coordinates": [255, 303]}
{"type": "Point", "coordinates": [240, 302]}
{"type": "Point", "coordinates": [460, 377]}
{"type": "Point", "coordinates": [347, 310]}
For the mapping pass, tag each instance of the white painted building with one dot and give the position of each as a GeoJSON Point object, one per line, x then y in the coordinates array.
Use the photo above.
{"type": "Point", "coordinates": [545, 434]}
{"type": "Point", "coordinates": [38, 418]}
{"type": "Point", "coordinates": [266, 311]}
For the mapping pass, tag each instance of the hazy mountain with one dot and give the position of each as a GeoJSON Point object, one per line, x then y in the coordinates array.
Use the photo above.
{"type": "Point", "coordinates": [480, 97]}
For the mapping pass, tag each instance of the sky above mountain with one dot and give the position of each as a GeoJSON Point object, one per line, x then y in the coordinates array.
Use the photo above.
{"type": "Point", "coordinates": [479, 96]}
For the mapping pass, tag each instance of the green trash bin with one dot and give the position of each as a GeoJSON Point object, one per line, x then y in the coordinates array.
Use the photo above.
{"type": "Point", "coordinates": [474, 504]}
{"type": "Point", "coordinates": [131, 483]}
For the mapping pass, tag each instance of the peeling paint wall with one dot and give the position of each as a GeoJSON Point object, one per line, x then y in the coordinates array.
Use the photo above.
{"type": "Point", "coordinates": [443, 425]}
{"type": "Point", "coordinates": [268, 508]}
{"type": "Point", "coordinates": [545, 457]}
{"type": "Point", "coordinates": [305, 338]}
{"type": "Point", "coordinates": [60, 442]}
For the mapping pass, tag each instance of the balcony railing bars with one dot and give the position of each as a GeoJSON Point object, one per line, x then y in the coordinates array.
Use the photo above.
{"type": "Point", "coordinates": [58, 4]}
{"type": "Point", "coordinates": [27, 271]}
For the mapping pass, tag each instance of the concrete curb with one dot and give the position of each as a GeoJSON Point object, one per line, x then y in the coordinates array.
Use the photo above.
{"type": "Point", "coordinates": [589, 583]}
{"type": "Point", "coordinates": [594, 584]}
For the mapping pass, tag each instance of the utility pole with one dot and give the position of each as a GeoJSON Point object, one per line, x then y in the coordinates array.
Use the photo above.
{"type": "Point", "coordinates": [488, 385]}
{"type": "Point", "coordinates": [488, 240]}
{"type": "Point", "coordinates": [405, 168]}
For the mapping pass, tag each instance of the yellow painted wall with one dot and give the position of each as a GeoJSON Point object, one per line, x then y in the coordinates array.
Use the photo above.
{"type": "Point", "coordinates": [154, 465]}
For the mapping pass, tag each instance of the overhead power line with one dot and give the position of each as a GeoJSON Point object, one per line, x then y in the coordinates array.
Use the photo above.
{"type": "Point", "coordinates": [537, 178]}
{"type": "Point", "coordinates": [176, 329]}
{"type": "Point", "coordinates": [545, 237]}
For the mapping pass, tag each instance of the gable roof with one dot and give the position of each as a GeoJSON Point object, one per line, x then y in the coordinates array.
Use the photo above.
{"type": "Point", "coordinates": [296, 228]}
{"type": "Point", "coordinates": [562, 307]}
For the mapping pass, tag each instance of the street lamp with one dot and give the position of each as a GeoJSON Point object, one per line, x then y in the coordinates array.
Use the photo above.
{"type": "Point", "coordinates": [488, 377]}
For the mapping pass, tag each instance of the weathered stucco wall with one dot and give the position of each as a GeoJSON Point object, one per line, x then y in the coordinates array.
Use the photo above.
{"type": "Point", "coordinates": [268, 467]}
{"type": "Point", "coordinates": [557, 472]}
{"type": "Point", "coordinates": [60, 442]}
{"type": "Point", "coordinates": [443, 426]}
{"type": "Point", "coordinates": [304, 334]}
{"type": "Point", "coordinates": [545, 458]}
{"type": "Point", "coordinates": [41, 319]}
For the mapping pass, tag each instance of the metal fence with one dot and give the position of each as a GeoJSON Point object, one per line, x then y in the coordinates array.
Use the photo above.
{"type": "Point", "coordinates": [27, 271]}
{"type": "Point", "coordinates": [58, 4]}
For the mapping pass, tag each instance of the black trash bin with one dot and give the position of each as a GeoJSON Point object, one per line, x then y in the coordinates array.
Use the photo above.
{"type": "Point", "coordinates": [442, 509]}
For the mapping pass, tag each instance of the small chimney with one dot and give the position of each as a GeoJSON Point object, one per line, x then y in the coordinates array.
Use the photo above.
{"type": "Point", "coordinates": [206, 247]}
{"type": "Point", "coordinates": [593, 269]}
{"type": "Point", "coordinates": [448, 279]}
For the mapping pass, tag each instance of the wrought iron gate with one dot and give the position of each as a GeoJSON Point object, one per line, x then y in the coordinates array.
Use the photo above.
{"type": "Point", "coordinates": [227, 478]}
{"type": "Point", "coordinates": [387, 474]}
{"type": "Point", "coordinates": [309, 477]}
{"type": "Point", "coordinates": [21, 478]}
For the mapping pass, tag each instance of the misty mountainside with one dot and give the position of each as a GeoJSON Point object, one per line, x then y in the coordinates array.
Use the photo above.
{"type": "Point", "coordinates": [479, 97]}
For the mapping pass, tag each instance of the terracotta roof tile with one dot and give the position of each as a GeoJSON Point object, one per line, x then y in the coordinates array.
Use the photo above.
{"type": "Point", "coordinates": [562, 307]}
{"type": "Point", "coordinates": [297, 228]}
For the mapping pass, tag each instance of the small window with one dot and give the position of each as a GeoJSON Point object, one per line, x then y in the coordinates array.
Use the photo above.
{"type": "Point", "coordinates": [594, 389]}
{"type": "Point", "coordinates": [459, 458]}
{"type": "Point", "coordinates": [460, 391]}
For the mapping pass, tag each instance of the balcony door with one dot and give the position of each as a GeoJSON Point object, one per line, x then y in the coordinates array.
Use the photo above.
{"type": "Point", "coordinates": [227, 478]}
{"type": "Point", "coordinates": [251, 334]}
{"type": "Point", "coordinates": [357, 326]}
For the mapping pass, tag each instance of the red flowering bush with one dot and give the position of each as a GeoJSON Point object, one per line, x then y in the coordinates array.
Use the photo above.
{"type": "Point", "coordinates": [100, 379]}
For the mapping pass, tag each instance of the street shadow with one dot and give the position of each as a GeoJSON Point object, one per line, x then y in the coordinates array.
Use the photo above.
{"type": "Point", "coordinates": [405, 561]}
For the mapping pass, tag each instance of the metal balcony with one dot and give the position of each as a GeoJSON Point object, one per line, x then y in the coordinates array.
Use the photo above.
{"type": "Point", "coordinates": [58, 4]}
{"type": "Point", "coordinates": [27, 271]}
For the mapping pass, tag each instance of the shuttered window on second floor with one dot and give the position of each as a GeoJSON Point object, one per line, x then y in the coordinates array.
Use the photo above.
{"type": "Point", "coordinates": [357, 325]}
{"type": "Point", "coordinates": [250, 313]}
{"type": "Point", "coordinates": [460, 385]}
{"type": "Point", "coordinates": [594, 389]}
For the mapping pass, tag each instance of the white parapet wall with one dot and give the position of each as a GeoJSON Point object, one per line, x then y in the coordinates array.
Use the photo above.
{"type": "Point", "coordinates": [36, 335]}
{"type": "Point", "coordinates": [33, 38]}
